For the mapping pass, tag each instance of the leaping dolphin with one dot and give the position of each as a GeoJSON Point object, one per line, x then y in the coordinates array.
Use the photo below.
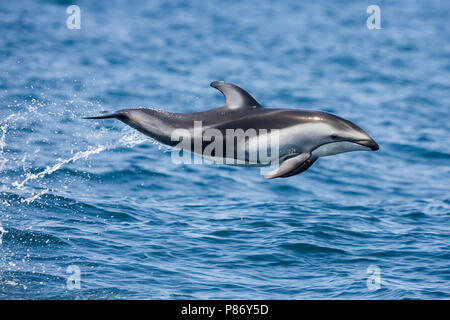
{"type": "Point", "coordinates": [302, 135]}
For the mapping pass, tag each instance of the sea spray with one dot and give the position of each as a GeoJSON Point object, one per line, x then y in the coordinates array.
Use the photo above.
{"type": "Point", "coordinates": [126, 140]}
{"type": "Point", "coordinates": [34, 197]}
{"type": "Point", "coordinates": [2, 232]}
{"type": "Point", "coordinates": [3, 160]}
{"type": "Point", "coordinates": [50, 169]}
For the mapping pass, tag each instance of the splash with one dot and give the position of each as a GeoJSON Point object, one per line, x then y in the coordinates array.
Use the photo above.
{"type": "Point", "coordinates": [36, 196]}
{"type": "Point", "coordinates": [3, 131]}
{"type": "Point", "coordinates": [3, 160]}
{"type": "Point", "coordinates": [57, 166]}
{"type": "Point", "coordinates": [2, 232]}
{"type": "Point", "coordinates": [129, 140]}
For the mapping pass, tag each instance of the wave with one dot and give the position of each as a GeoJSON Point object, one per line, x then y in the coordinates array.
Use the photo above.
{"type": "Point", "coordinates": [31, 238]}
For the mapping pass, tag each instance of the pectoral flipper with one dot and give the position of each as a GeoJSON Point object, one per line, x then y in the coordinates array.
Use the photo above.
{"type": "Point", "coordinates": [292, 166]}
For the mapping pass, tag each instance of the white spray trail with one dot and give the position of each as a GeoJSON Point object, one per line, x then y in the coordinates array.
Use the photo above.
{"type": "Point", "coordinates": [2, 232]}
{"type": "Point", "coordinates": [57, 166]}
{"type": "Point", "coordinates": [127, 140]}
{"type": "Point", "coordinates": [36, 196]}
{"type": "Point", "coordinates": [3, 160]}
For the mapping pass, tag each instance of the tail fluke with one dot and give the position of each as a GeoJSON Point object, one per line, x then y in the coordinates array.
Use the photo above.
{"type": "Point", "coordinates": [106, 116]}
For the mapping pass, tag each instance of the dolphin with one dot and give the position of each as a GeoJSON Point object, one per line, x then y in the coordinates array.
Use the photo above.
{"type": "Point", "coordinates": [302, 135]}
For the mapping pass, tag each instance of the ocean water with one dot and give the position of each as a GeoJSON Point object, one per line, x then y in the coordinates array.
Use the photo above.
{"type": "Point", "coordinates": [95, 210]}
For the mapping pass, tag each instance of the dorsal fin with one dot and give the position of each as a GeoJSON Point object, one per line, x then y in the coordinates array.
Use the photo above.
{"type": "Point", "coordinates": [235, 97]}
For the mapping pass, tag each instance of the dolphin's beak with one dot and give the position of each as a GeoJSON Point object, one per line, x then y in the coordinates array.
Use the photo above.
{"type": "Point", "coordinates": [369, 144]}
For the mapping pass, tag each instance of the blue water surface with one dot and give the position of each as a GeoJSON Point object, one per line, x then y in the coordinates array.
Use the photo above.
{"type": "Point", "coordinates": [103, 198]}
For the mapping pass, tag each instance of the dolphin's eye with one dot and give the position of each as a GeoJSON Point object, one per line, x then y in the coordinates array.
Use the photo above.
{"type": "Point", "coordinates": [334, 136]}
